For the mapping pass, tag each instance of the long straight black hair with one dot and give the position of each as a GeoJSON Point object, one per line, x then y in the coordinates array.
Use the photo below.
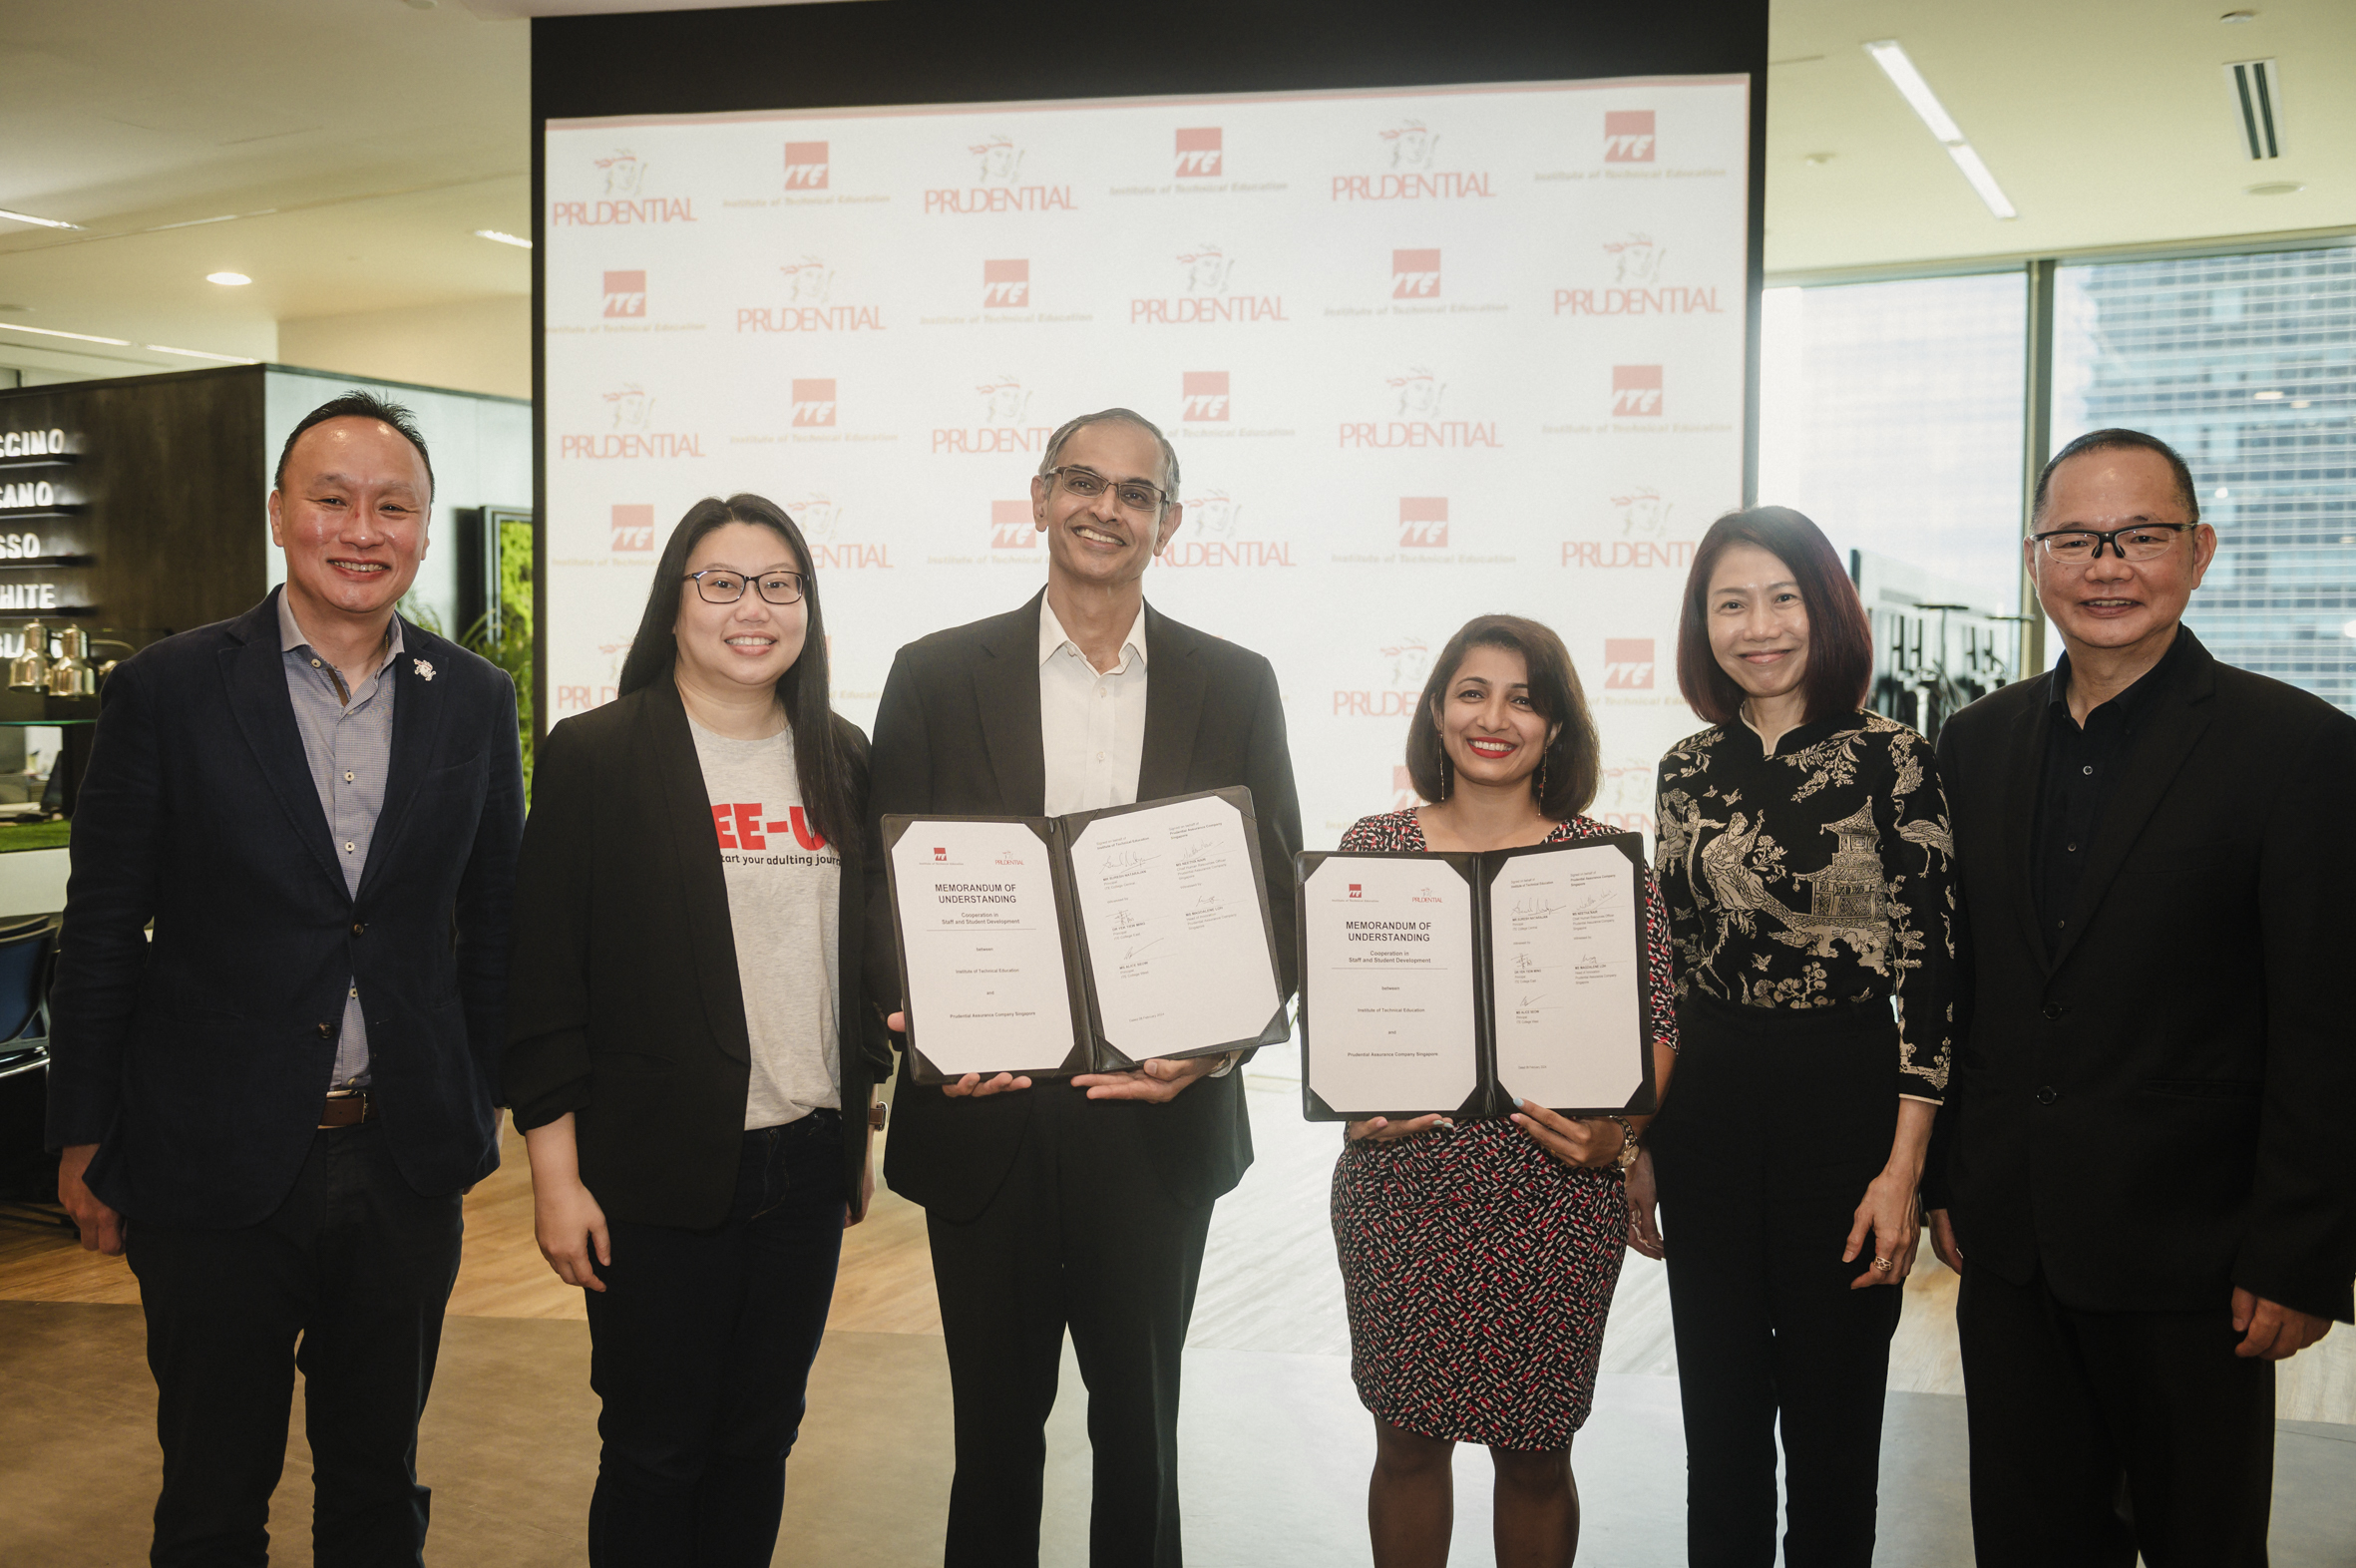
{"type": "Point", "coordinates": [821, 764]}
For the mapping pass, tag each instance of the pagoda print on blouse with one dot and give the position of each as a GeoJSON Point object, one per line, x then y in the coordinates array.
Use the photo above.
{"type": "Point", "coordinates": [1820, 876]}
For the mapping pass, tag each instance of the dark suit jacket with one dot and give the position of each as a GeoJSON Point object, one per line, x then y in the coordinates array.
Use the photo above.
{"type": "Point", "coordinates": [958, 734]}
{"type": "Point", "coordinates": [197, 1060]}
{"type": "Point", "coordinates": [626, 1007]}
{"type": "Point", "coordinates": [2161, 1113]}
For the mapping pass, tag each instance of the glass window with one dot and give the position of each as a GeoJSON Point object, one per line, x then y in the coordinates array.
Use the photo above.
{"type": "Point", "coordinates": [1891, 414]}
{"type": "Point", "coordinates": [2245, 365]}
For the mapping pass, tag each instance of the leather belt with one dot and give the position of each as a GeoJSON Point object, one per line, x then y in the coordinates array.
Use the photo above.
{"type": "Point", "coordinates": [348, 1109]}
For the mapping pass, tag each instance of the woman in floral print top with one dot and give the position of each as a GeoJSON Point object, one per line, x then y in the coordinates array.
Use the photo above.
{"type": "Point", "coordinates": [1806, 860]}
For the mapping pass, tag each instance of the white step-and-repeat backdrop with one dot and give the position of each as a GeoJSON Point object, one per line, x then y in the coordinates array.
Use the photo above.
{"type": "Point", "coordinates": [1423, 355]}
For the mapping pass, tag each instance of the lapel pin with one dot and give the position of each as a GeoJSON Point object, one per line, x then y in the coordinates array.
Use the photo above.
{"type": "Point", "coordinates": [425, 671]}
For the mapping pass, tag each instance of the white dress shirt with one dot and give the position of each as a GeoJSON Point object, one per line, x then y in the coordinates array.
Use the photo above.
{"type": "Point", "coordinates": [1091, 722]}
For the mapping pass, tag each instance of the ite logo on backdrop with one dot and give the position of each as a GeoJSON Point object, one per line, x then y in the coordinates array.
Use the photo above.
{"type": "Point", "coordinates": [1636, 391]}
{"type": "Point", "coordinates": [805, 165]}
{"type": "Point", "coordinates": [1011, 527]}
{"type": "Point", "coordinates": [814, 402]}
{"type": "Point", "coordinates": [1414, 275]}
{"type": "Point", "coordinates": [1199, 153]}
{"type": "Point", "coordinates": [1627, 663]}
{"type": "Point", "coordinates": [1005, 285]}
{"type": "Point", "coordinates": [1205, 395]}
{"type": "Point", "coordinates": [633, 529]}
{"type": "Point", "coordinates": [1422, 522]}
{"type": "Point", "coordinates": [1627, 135]}
{"type": "Point", "coordinates": [625, 294]}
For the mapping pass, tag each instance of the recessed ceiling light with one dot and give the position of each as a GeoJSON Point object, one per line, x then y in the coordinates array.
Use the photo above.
{"type": "Point", "coordinates": [2350, 628]}
{"type": "Point", "coordinates": [78, 337]}
{"type": "Point", "coordinates": [2276, 187]}
{"type": "Point", "coordinates": [198, 353]}
{"type": "Point", "coordinates": [45, 223]}
{"type": "Point", "coordinates": [227, 279]}
{"type": "Point", "coordinates": [2238, 16]}
{"type": "Point", "coordinates": [1891, 56]}
{"type": "Point", "coordinates": [1818, 160]}
{"type": "Point", "coordinates": [503, 238]}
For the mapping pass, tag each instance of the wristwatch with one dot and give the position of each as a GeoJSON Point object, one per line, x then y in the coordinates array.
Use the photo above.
{"type": "Point", "coordinates": [1627, 1154]}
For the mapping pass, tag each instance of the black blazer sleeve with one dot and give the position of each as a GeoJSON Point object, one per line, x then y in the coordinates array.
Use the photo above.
{"type": "Point", "coordinates": [900, 775]}
{"type": "Point", "coordinates": [113, 893]}
{"type": "Point", "coordinates": [2300, 1245]}
{"type": "Point", "coordinates": [1268, 774]}
{"type": "Point", "coordinates": [485, 893]}
{"type": "Point", "coordinates": [546, 1067]}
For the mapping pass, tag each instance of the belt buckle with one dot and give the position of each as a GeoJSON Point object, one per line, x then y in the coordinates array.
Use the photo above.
{"type": "Point", "coordinates": [335, 1096]}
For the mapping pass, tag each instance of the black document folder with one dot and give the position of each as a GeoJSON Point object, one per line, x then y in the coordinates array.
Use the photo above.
{"type": "Point", "coordinates": [1461, 983]}
{"type": "Point", "coordinates": [1156, 951]}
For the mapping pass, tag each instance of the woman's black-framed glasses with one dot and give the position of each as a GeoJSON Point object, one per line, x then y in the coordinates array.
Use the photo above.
{"type": "Point", "coordinates": [719, 585]}
{"type": "Point", "coordinates": [2144, 542]}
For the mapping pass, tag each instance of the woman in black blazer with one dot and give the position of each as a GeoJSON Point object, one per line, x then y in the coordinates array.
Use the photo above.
{"type": "Point", "coordinates": [691, 1057]}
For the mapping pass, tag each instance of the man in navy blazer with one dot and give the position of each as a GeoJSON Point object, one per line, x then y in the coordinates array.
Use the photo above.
{"type": "Point", "coordinates": [275, 1099]}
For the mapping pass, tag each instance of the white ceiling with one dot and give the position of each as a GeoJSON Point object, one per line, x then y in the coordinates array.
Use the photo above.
{"type": "Point", "coordinates": [352, 147]}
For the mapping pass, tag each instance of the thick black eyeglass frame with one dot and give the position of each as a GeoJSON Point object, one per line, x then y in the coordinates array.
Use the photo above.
{"type": "Point", "coordinates": [705, 593]}
{"type": "Point", "coordinates": [2108, 537]}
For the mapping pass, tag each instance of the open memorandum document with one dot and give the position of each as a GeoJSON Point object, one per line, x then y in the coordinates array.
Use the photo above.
{"type": "Point", "coordinates": [1083, 944]}
{"type": "Point", "coordinates": [1466, 984]}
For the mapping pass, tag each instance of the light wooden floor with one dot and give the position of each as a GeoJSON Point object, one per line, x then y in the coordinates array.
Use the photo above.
{"type": "Point", "coordinates": [1269, 1282]}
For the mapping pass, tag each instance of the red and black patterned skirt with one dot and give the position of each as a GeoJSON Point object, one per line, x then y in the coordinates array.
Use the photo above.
{"type": "Point", "coordinates": [1478, 1271]}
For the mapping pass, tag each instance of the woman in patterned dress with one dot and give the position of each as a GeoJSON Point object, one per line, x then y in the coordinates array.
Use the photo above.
{"type": "Point", "coordinates": [1804, 854]}
{"type": "Point", "coordinates": [1480, 1255]}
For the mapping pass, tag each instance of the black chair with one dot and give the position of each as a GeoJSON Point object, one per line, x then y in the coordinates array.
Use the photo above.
{"type": "Point", "coordinates": [28, 954]}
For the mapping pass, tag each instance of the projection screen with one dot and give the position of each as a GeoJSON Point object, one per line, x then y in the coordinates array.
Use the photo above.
{"type": "Point", "coordinates": [1423, 354]}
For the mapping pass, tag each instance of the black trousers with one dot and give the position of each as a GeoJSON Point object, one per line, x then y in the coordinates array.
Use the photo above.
{"type": "Point", "coordinates": [356, 1265]}
{"type": "Point", "coordinates": [1082, 1235]}
{"type": "Point", "coordinates": [1772, 1128]}
{"type": "Point", "coordinates": [2096, 1435]}
{"type": "Point", "coordinates": [700, 1349]}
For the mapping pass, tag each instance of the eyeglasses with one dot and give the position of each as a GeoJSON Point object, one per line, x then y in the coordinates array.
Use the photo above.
{"type": "Point", "coordinates": [719, 585]}
{"type": "Point", "coordinates": [1133, 495]}
{"type": "Point", "coordinates": [2144, 542]}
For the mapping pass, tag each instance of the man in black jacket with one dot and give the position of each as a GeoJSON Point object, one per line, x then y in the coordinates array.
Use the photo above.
{"type": "Point", "coordinates": [1082, 1202]}
{"type": "Point", "coordinates": [2147, 1161]}
{"type": "Point", "coordinates": [276, 1103]}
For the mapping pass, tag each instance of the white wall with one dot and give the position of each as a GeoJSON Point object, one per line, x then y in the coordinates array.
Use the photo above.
{"type": "Point", "coordinates": [474, 345]}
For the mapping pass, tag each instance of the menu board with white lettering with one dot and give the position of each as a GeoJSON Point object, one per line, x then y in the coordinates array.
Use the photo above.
{"type": "Point", "coordinates": [1467, 983]}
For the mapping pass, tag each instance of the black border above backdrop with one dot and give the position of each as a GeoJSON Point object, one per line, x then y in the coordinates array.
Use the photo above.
{"type": "Point", "coordinates": [878, 53]}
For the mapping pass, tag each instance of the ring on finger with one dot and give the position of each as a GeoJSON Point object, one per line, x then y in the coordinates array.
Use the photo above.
{"type": "Point", "coordinates": [1883, 1265]}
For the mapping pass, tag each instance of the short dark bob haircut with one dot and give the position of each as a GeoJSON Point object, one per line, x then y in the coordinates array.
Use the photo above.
{"type": "Point", "coordinates": [1840, 640]}
{"type": "Point", "coordinates": [356, 404]}
{"type": "Point", "coordinates": [2112, 441]}
{"type": "Point", "coordinates": [1572, 763]}
{"type": "Point", "coordinates": [823, 764]}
